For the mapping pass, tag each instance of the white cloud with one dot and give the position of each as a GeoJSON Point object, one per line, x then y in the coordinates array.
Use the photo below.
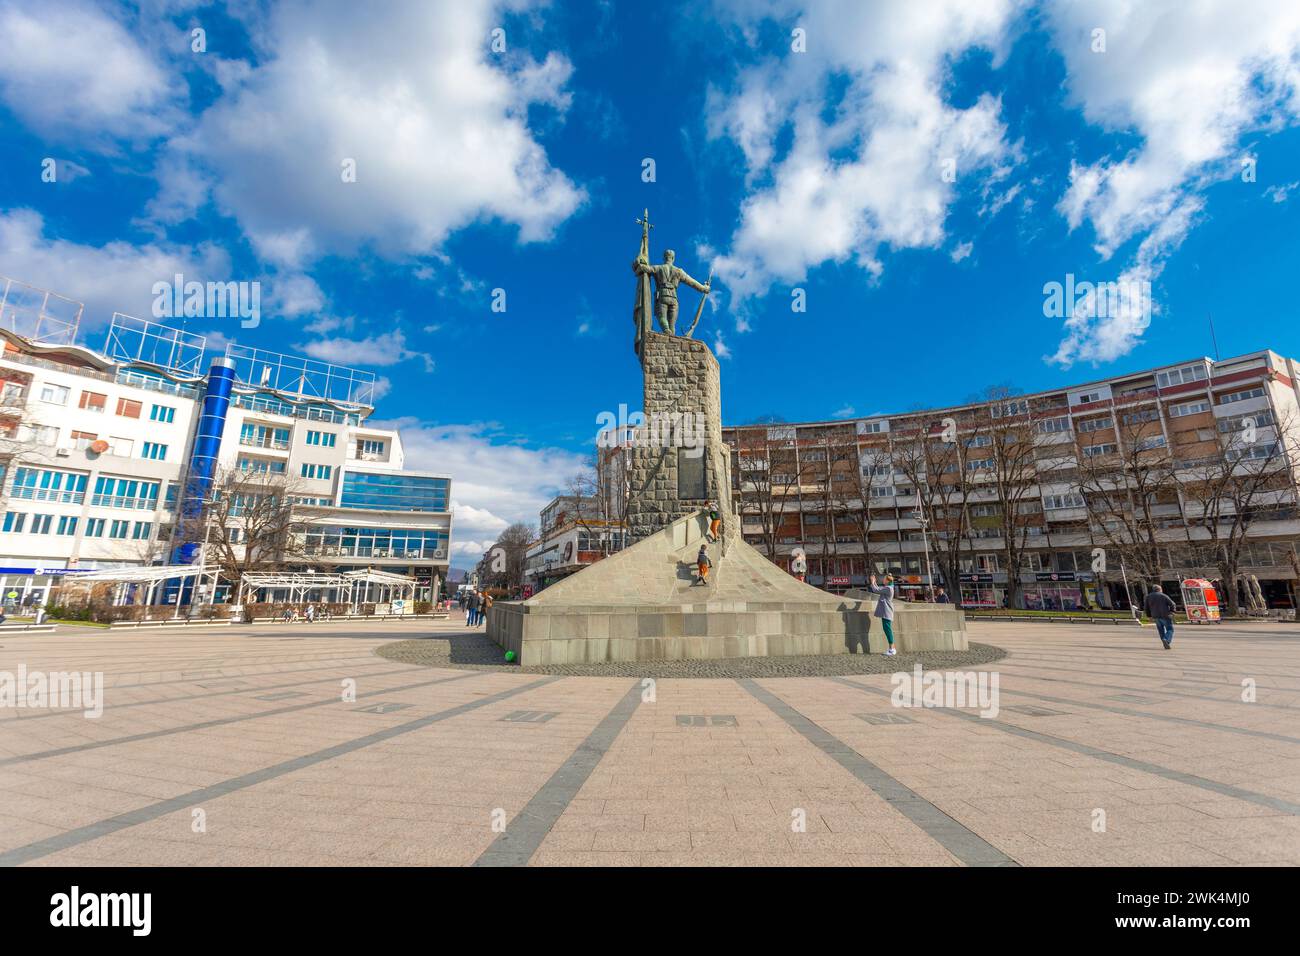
{"type": "Point", "coordinates": [387, 348]}
{"type": "Point", "coordinates": [961, 251]}
{"type": "Point", "coordinates": [845, 412]}
{"type": "Point", "coordinates": [872, 174]}
{"type": "Point", "coordinates": [114, 277]}
{"type": "Point", "coordinates": [1190, 81]}
{"type": "Point", "coordinates": [494, 484]}
{"type": "Point", "coordinates": [1281, 192]}
{"type": "Point", "coordinates": [436, 124]}
{"type": "Point", "coordinates": [73, 73]}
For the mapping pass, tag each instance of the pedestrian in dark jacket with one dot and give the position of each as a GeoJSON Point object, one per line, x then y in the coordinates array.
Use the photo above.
{"type": "Point", "coordinates": [1161, 609]}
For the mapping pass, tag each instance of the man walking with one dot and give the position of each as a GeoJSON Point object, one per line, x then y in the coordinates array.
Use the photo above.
{"type": "Point", "coordinates": [1160, 608]}
{"type": "Point", "coordinates": [702, 564]}
{"type": "Point", "coordinates": [885, 608]}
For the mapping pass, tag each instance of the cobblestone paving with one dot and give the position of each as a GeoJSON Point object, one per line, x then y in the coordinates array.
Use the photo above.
{"type": "Point", "coordinates": [473, 651]}
{"type": "Point", "coordinates": [299, 745]}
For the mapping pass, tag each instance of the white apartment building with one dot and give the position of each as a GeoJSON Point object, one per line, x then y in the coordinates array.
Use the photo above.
{"type": "Point", "coordinates": [95, 452]}
{"type": "Point", "coordinates": [95, 449]}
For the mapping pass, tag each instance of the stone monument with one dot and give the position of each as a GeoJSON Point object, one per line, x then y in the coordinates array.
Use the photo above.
{"type": "Point", "coordinates": [645, 603]}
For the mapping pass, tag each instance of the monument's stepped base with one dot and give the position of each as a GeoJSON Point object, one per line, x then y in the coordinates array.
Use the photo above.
{"type": "Point", "coordinates": [642, 604]}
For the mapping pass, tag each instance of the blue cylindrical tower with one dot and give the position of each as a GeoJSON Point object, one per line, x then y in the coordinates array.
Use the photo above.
{"type": "Point", "coordinates": [207, 446]}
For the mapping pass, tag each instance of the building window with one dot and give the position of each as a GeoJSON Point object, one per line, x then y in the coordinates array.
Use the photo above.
{"type": "Point", "coordinates": [94, 527]}
{"type": "Point", "coordinates": [67, 525]}
{"type": "Point", "coordinates": [317, 471]}
{"type": "Point", "coordinates": [1181, 376]}
{"type": "Point", "coordinates": [142, 530]}
{"type": "Point", "coordinates": [82, 440]}
{"type": "Point", "coordinates": [1049, 425]}
{"type": "Point", "coordinates": [119, 529]}
{"type": "Point", "coordinates": [121, 447]}
{"type": "Point", "coordinates": [125, 493]}
{"type": "Point", "coordinates": [128, 409]}
{"type": "Point", "coordinates": [324, 439]}
{"type": "Point", "coordinates": [14, 521]}
{"type": "Point", "coordinates": [93, 401]}
{"type": "Point", "coordinates": [372, 446]}
{"type": "Point", "coordinates": [260, 466]}
{"type": "Point", "coordinates": [41, 524]}
{"type": "Point", "coordinates": [162, 413]}
{"type": "Point", "coordinates": [1094, 424]}
{"type": "Point", "coordinates": [1145, 415]}
{"type": "Point", "coordinates": [54, 394]}
{"type": "Point", "coordinates": [38, 484]}
{"type": "Point", "coordinates": [1189, 408]}
{"type": "Point", "coordinates": [1087, 398]}
{"type": "Point", "coordinates": [154, 451]}
{"type": "Point", "coordinates": [46, 435]}
{"type": "Point", "coordinates": [395, 491]}
{"type": "Point", "coordinates": [1241, 396]}
{"type": "Point", "coordinates": [1092, 451]}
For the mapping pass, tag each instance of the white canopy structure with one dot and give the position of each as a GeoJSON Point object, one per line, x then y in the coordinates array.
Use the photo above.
{"type": "Point", "coordinates": [150, 576]}
{"type": "Point", "coordinates": [354, 587]}
{"type": "Point", "coordinates": [351, 587]}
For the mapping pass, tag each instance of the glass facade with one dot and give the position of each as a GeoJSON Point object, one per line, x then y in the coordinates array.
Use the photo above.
{"type": "Point", "coordinates": [393, 491]}
{"type": "Point", "coordinates": [376, 542]}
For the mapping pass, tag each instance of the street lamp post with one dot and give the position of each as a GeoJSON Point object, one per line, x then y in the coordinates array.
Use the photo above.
{"type": "Point", "coordinates": [924, 522]}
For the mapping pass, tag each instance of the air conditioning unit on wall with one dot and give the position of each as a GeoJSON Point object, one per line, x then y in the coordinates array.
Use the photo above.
{"type": "Point", "coordinates": [439, 553]}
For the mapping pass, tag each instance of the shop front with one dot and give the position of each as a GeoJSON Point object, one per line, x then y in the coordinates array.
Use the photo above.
{"type": "Point", "coordinates": [1060, 591]}
{"type": "Point", "coordinates": [980, 590]}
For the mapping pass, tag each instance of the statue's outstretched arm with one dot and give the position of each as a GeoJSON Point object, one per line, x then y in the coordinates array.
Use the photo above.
{"type": "Point", "coordinates": [699, 287]}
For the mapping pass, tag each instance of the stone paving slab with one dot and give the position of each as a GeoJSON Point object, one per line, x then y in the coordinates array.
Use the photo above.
{"type": "Point", "coordinates": [717, 771]}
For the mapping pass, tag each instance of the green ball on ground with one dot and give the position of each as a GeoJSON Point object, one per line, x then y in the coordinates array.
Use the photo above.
{"type": "Point", "coordinates": [510, 657]}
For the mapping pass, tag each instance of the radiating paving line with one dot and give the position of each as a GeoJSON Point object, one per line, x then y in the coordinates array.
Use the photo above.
{"type": "Point", "coordinates": [516, 844]}
{"type": "Point", "coordinates": [1166, 696]}
{"type": "Point", "coordinates": [219, 722]}
{"type": "Point", "coordinates": [961, 842]}
{"type": "Point", "coordinates": [1029, 662]}
{"type": "Point", "coordinates": [1225, 789]}
{"type": "Point", "coordinates": [215, 693]}
{"type": "Point", "coordinates": [1170, 718]}
{"type": "Point", "coordinates": [123, 821]}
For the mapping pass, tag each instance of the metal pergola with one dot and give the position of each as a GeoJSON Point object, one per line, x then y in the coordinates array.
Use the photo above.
{"type": "Point", "coordinates": [150, 576]}
{"type": "Point", "coordinates": [359, 586]}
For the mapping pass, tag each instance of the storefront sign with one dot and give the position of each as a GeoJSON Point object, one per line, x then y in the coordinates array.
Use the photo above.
{"type": "Point", "coordinates": [1054, 576]}
{"type": "Point", "coordinates": [981, 578]}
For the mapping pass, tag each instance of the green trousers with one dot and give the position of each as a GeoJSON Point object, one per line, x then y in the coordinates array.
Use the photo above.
{"type": "Point", "coordinates": [888, 625]}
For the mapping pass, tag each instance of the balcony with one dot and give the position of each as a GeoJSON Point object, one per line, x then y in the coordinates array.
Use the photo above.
{"type": "Point", "coordinates": [278, 444]}
{"type": "Point", "coordinates": [121, 501]}
{"type": "Point", "coordinates": [48, 494]}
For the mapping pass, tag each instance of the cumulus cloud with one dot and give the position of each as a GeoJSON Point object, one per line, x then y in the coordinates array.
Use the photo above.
{"type": "Point", "coordinates": [879, 169]}
{"type": "Point", "coordinates": [406, 93]}
{"type": "Point", "coordinates": [494, 483]}
{"type": "Point", "coordinates": [387, 348]}
{"type": "Point", "coordinates": [114, 277]}
{"type": "Point", "coordinates": [74, 73]}
{"type": "Point", "coordinates": [1190, 81]}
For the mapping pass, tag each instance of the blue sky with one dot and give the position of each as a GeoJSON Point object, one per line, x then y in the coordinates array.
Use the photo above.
{"type": "Point", "coordinates": [919, 170]}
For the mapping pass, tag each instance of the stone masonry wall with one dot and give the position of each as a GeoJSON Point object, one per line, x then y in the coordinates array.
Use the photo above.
{"type": "Point", "coordinates": [681, 378]}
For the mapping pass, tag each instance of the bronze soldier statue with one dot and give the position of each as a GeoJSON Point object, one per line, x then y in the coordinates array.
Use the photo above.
{"type": "Point", "coordinates": [666, 277]}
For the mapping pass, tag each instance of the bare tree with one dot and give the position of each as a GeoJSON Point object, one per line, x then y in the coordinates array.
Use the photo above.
{"type": "Point", "coordinates": [1127, 487]}
{"type": "Point", "coordinates": [932, 459]}
{"type": "Point", "coordinates": [1249, 476]}
{"type": "Point", "coordinates": [248, 523]}
{"type": "Point", "coordinates": [503, 564]}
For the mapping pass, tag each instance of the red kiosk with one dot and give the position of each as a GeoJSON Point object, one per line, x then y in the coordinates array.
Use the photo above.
{"type": "Point", "coordinates": [1201, 601]}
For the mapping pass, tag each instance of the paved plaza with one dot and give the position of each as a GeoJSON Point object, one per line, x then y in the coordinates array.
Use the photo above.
{"type": "Point", "coordinates": [236, 747]}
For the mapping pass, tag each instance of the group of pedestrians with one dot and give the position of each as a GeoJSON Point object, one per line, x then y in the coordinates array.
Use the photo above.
{"type": "Point", "coordinates": [476, 604]}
